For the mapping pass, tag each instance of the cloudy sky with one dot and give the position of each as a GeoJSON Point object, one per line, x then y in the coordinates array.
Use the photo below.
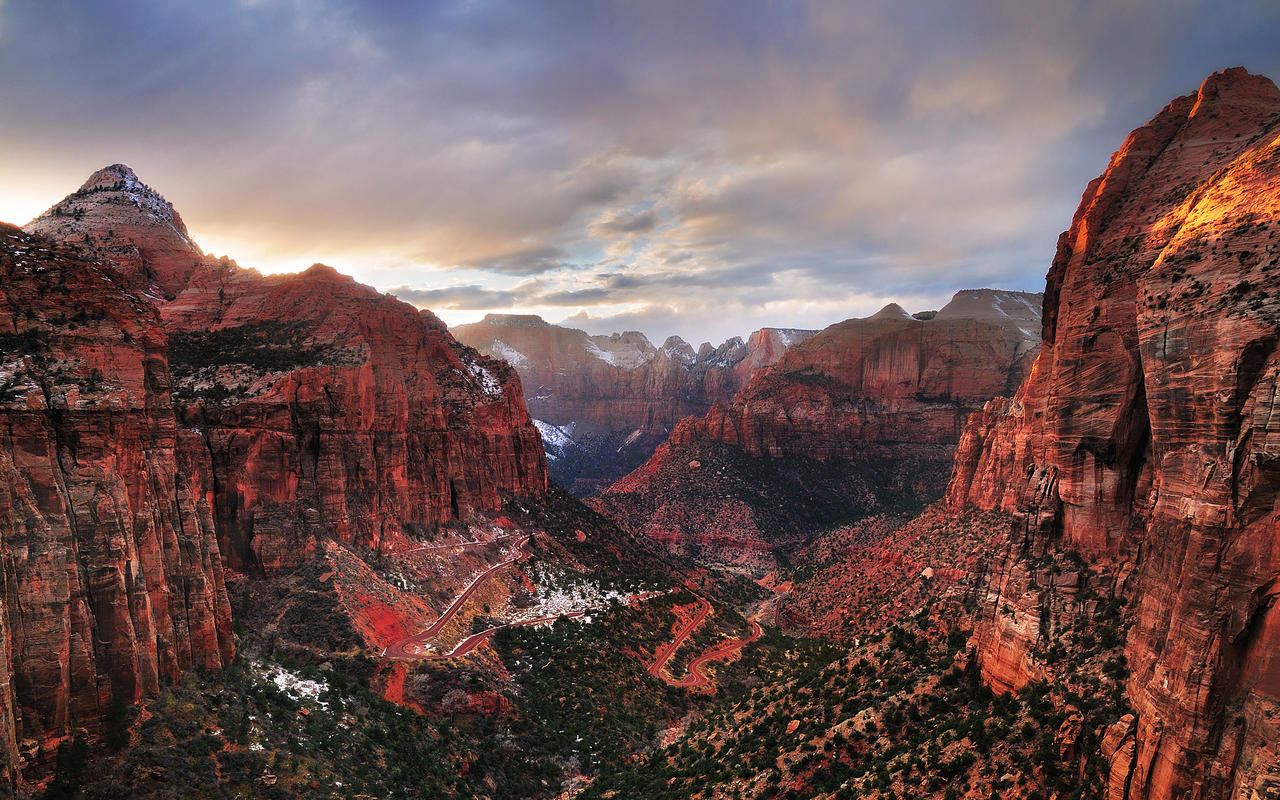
{"type": "Point", "coordinates": [694, 167]}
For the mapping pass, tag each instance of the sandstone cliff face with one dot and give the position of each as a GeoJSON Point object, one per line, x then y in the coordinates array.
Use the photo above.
{"type": "Point", "coordinates": [110, 577]}
{"type": "Point", "coordinates": [332, 411]}
{"type": "Point", "coordinates": [863, 415]}
{"type": "Point", "coordinates": [326, 409]}
{"type": "Point", "coordinates": [883, 380]}
{"type": "Point", "coordinates": [1147, 440]}
{"type": "Point", "coordinates": [608, 401]}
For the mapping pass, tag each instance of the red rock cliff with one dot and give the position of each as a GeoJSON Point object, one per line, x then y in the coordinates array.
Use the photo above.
{"type": "Point", "coordinates": [615, 398]}
{"type": "Point", "coordinates": [865, 414]}
{"type": "Point", "coordinates": [1147, 438]}
{"type": "Point", "coordinates": [334, 411]}
{"type": "Point", "coordinates": [327, 409]}
{"type": "Point", "coordinates": [110, 577]}
{"type": "Point", "coordinates": [884, 380]}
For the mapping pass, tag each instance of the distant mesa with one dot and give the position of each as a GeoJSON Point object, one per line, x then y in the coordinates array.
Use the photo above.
{"type": "Point", "coordinates": [857, 417]}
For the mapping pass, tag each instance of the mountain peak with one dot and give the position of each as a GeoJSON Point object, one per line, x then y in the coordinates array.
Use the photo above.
{"type": "Point", "coordinates": [1237, 79]}
{"type": "Point", "coordinates": [996, 305]}
{"type": "Point", "coordinates": [125, 222]}
{"type": "Point", "coordinates": [1234, 90]}
{"type": "Point", "coordinates": [518, 320]}
{"type": "Point", "coordinates": [891, 311]}
{"type": "Point", "coordinates": [110, 175]}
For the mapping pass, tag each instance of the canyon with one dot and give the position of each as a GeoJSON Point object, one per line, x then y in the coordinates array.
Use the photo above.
{"type": "Point", "coordinates": [604, 403]}
{"type": "Point", "coordinates": [283, 535]}
{"type": "Point", "coordinates": [862, 416]}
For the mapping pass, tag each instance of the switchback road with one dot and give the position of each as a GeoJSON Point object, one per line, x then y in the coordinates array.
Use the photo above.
{"type": "Point", "coordinates": [401, 649]}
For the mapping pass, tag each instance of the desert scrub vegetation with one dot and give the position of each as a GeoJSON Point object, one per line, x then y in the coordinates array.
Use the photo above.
{"type": "Point", "coordinates": [219, 365]}
{"type": "Point", "coordinates": [266, 346]}
{"type": "Point", "coordinates": [583, 688]}
{"type": "Point", "coordinates": [284, 730]}
{"type": "Point", "coordinates": [904, 714]}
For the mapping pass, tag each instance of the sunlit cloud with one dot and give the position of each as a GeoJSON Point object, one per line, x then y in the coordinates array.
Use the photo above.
{"type": "Point", "coordinates": [698, 169]}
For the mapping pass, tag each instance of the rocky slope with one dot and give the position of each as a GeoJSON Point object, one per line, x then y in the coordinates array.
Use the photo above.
{"type": "Point", "coordinates": [110, 577]}
{"type": "Point", "coordinates": [358, 419]}
{"type": "Point", "coordinates": [1146, 440]}
{"type": "Point", "coordinates": [329, 410]}
{"type": "Point", "coordinates": [120, 219]}
{"type": "Point", "coordinates": [867, 413]}
{"type": "Point", "coordinates": [605, 402]}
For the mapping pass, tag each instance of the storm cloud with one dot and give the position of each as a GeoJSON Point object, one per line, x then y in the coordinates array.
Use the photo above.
{"type": "Point", "coordinates": [695, 168]}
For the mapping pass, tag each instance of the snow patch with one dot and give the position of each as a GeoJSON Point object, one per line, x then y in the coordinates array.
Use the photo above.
{"type": "Point", "coordinates": [553, 436]}
{"type": "Point", "coordinates": [509, 354]}
{"type": "Point", "coordinates": [629, 355]}
{"type": "Point", "coordinates": [293, 684]}
{"type": "Point", "coordinates": [489, 384]}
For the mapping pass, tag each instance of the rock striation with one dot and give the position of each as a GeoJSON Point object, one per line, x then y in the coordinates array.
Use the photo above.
{"type": "Point", "coordinates": [110, 576]}
{"type": "Point", "coordinates": [865, 414]}
{"type": "Point", "coordinates": [328, 409]}
{"type": "Point", "coordinates": [604, 403]}
{"type": "Point", "coordinates": [335, 412]}
{"type": "Point", "coordinates": [1147, 440]}
{"type": "Point", "coordinates": [165, 415]}
{"type": "Point", "coordinates": [885, 380]}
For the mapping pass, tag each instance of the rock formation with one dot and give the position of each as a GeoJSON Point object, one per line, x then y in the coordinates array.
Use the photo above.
{"type": "Point", "coordinates": [1147, 440]}
{"type": "Point", "coordinates": [604, 403]}
{"type": "Point", "coordinates": [165, 413]}
{"type": "Point", "coordinates": [110, 576]}
{"type": "Point", "coordinates": [333, 411]}
{"type": "Point", "coordinates": [118, 218]}
{"type": "Point", "coordinates": [328, 409]}
{"type": "Point", "coordinates": [866, 413]}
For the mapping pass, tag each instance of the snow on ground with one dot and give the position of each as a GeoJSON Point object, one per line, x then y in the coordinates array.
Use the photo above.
{"type": "Point", "coordinates": [506, 352]}
{"type": "Point", "coordinates": [489, 384]}
{"type": "Point", "coordinates": [553, 436]}
{"type": "Point", "coordinates": [627, 356]}
{"type": "Point", "coordinates": [790, 336]}
{"type": "Point", "coordinates": [293, 684]}
{"type": "Point", "coordinates": [631, 438]}
{"type": "Point", "coordinates": [560, 594]}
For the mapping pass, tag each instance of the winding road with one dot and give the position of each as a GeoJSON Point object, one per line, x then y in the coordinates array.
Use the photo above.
{"type": "Point", "coordinates": [401, 649]}
{"type": "Point", "coordinates": [476, 639]}
{"type": "Point", "coordinates": [408, 648]}
{"type": "Point", "coordinates": [665, 652]}
{"type": "Point", "coordinates": [695, 676]}
{"type": "Point", "coordinates": [456, 545]}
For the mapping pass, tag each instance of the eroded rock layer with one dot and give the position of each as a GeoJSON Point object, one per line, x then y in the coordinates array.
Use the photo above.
{"type": "Point", "coordinates": [1147, 440]}
{"type": "Point", "coordinates": [605, 402]}
{"type": "Point", "coordinates": [110, 575]}
{"type": "Point", "coordinates": [327, 408]}
{"type": "Point", "coordinates": [863, 415]}
{"type": "Point", "coordinates": [333, 411]}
